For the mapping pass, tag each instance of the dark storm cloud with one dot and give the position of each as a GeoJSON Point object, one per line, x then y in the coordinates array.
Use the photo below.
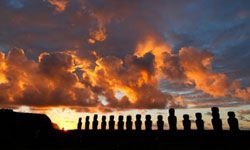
{"type": "Point", "coordinates": [203, 24]}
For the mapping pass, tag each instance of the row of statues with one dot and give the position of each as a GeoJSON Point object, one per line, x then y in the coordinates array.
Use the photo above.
{"type": "Point", "coordinates": [172, 121]}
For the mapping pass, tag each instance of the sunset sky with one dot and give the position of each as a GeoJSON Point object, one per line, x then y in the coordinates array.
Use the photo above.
{"type": "Point", "coordinates": [72, 58]}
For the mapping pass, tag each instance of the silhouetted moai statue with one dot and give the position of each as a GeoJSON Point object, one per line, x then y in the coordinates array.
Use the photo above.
{"type": "Point", "coordinates": [104, 123]}
{"type": "Point", "coordinates": [95, 122]}
{"type": "Point", "coordinates": [87, 123]}
{"type": "Point", "coordinates": [138, 122]}
{"type": "Point", "coordinates": [79, 124]}
{"type": "Point", "coordinates": [120, 123]}
{"type": "Point", "coordinates": [216, 121]}
{"type": "Point", "coordinates": [148, 123]}
{"type": "Point", "coordinates": [186, 122]}
{"type": "Point", "coordinates": [129, 123]}
{"type": "Point", "coordinates": [199, 122]}
{"type": "Point", "coordinates": [232, 121]}
{"type": "Point", "coordinates": [111, 123]}
{"type": "Point", "coordinates": [160, 123]}
{"type": "Point", "coordinates": [172, 120]}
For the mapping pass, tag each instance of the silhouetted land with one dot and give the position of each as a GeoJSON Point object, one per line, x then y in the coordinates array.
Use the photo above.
{"type": "Point", "coordinates": [33, 131]}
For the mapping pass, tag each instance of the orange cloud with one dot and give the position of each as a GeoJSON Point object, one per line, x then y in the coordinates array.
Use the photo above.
{"type": "Point", "coordinates": [48, 82]}
{"type": "Point", "coordinates": [135, 77]}
{"type": "Point", "coordinates": [3, 67]}
{"type": "Point", "coordinates": [66, 79]}
{"type": "Point", "coordinates": [192, 67]}
{"type": "Point", "coordinates": [158, 49]}
{"type": "Point", "coordinates": [243, 93]}
{"type": "Point", "coordinates": [60, 5]}
{"type": "Point", "coordinates": [98, 34]}
{"type": "Point", "coordinates": [197, 69]}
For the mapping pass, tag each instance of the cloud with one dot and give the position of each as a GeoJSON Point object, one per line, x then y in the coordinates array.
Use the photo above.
{"type": "Point", "coordinates": [197, 66]}
{"type": "Point", "coordinates": [244, 112]}
{"type": "Point", "coordinates": [208, 113]}
{"type": "Point", "coordinates": [40, 83]}
{"type": "Point", "coordinates": [100, 48]}
{"type": "Point", "coordinates": [65, 79]}
{"type": "Point", "coordinates": [135, 77]}
{"type": "Point", "coordinates": [243, 115]}
{"type": "Point", "coordinates": [191, 66]}
{"type": "Point", "coordinates": [53, 80]}
{"type": "Point", "coordinates": [60, 5]}
{"type": "Point", "coordinates": [197, 69]}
